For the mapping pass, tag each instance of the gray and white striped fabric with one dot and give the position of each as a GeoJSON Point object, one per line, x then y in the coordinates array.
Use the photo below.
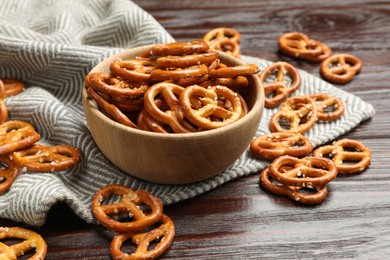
{"type": "Point", "coordinates": [52, 45]}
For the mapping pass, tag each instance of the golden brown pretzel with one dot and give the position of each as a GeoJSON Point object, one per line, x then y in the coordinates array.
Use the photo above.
{"type": "Point", "coordinates": [225, 40]}
{"type": "Point", "coordinates": [3, 107]}
{"type": "Point", "coordinates": [141, 123]}
{"type": "Point", "coordinates": [2, 90]}
{"type": "Point", "coordinates": [275, 94]}
{"type": "Point", "coordinates": [130, 203]}
{"type": "Point", "coordinates": [179, 73]}
{"type": "Point", "coordinates": [300, 112]}
{"type": "Point", "coordinates": [16, 135]}
{"type": "Point", "coordinates": [326, 102]}
{"type": "Point", "coordinates": [45, 158]}
{"type": "Point", "coordinates": [346, 150]}
{"type": "Point", "coordinates": [185, 82]}
{"type": "Point", "coordinates": [235, 71]}
{"type": "Point", "coordinates": [12, 86]}
{"type": "Point", "coordinates": [170, 94]}
{"type": "Point", "coordinates": [228, 46]}
{"type": "Point", "coordinates": [293, 192]}
{"type": "Point", "coordinates": [307, 172]}
{"type": "Point", "coordinates": [162, 234]}
{"type": "Point", "coordinates": [203, 116]}
{"type": "Point", "coordinates": [110, 109]}
{"type": "Point", "coordinates": [136, 69]}
{"type": "Point", "coordinates": [126, 104]}
{"type": "Point", "coordinates": [226, 104]}
{"type": "Point", "coordinates": [232, 83]}
{"type": "Point", "coordinates": [299, 45]}
{"type": "Point", "coordinates": [222, 33]}
{"type": "Point", "coordinates": [185, 61]}
{"type": "Point", "coordinates": [8, 173]}
{"type": "Point", "coordinates": [326, 53]}
{"type": "Point", "coordinates": [106, 83]}
{"type": "Point", "coordinates": [179, 48]}
{"type": "Point", "coordinates": [340, 68]}
{"type": "Point", "coordinates": [279, 90]}
{"type": "Point", "coordinates": [3, 112]}
{"type": "Point", "coordinates": [146, 122]}
{"type": "Point", "coordinates": [31, 241]}
{"type": "Point", "coordinates": [273, 145]}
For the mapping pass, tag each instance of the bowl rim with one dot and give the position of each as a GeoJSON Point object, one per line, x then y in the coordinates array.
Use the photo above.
{"type": "Point", "coordinates": [258, 105]}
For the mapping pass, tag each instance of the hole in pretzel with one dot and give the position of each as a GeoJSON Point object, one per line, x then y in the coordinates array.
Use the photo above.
{"type": "Point", "coordinates": [123, 214]}
{"type": "Point", "coordinates": [330, 109]}
{"type": "Point", "coordinates": [273, 77]}
{"type": "Point", "coordinates": [3, 176]}
{"type": "Point", "coordinates": [307, 191]}
{"type": "Point", "coordinates": [327, 156]}
{"type": "Point", "coordinates": [284, 124]}
{"type": "Point", "coordinates": [3, 166]}
{"type": "Point", "coordinates": [351, 149]}
{"type": "Point", "coordinates": [129, 246]}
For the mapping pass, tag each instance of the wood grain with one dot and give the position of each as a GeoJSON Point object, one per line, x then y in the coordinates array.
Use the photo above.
{"type": "Point", "coordinates": [239, 220]}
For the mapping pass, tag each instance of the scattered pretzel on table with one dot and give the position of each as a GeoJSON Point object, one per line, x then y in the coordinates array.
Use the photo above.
{"type": "Point", "coordinates": [221, 34]}
{"type": "Point", "coordinates": [30, 241]}
{"type": "Point", "coordinates": [293, 192]}
{"type": "Point", "coordinates": [163, 235]}
{"type": "Point", "coordinates": [224, 39]}
{"type": "Point", "coordinates": [307, 172]}
{"type": "Point", "coordinates": [16, 135]}
{"type": "Point", "coordinates": [228, 46]}
{"type": "Point", "coordinates": [299, 45]}
{"type": "Point", "coordinates": [350, 156]}
{"type": "Point", "coordinates": [273, 145]}
{"type": "Point", "coordinates": [130, 202]}
{"type": "Point", "coordinates": [340, 68]}
{"type": "Point", "coordinates": [280, 89]}
{"type": "Point", "coordinates": [45, 158]}
{"type": "Point", "coordinates": [299, 112]}
{"type": "Point", "coordinates": [326, 53]}
{"type": "Point", "coordinates": [149, 229]}
{"type": "Point", "coordinates": [326, 102]}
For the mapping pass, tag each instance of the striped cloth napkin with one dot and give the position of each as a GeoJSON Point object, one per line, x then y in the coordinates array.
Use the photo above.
{"type": "Point", "coordinates": [52, 45]}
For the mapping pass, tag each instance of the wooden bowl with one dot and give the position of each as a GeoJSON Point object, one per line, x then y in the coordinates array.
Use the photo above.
{"type": "Point", "coordinates": [174, 158]}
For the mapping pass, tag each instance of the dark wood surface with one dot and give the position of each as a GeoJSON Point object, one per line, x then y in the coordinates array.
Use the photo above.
{"type": "Point", "coordinates": [239, 220]}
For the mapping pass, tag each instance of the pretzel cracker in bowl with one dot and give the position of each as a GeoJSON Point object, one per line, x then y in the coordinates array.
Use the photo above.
{"type": "Point", "coordinates": [170, 142]}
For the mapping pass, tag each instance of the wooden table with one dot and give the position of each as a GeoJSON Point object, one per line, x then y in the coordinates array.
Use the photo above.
{"type": "Point", "coordinates": [239, 220]}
